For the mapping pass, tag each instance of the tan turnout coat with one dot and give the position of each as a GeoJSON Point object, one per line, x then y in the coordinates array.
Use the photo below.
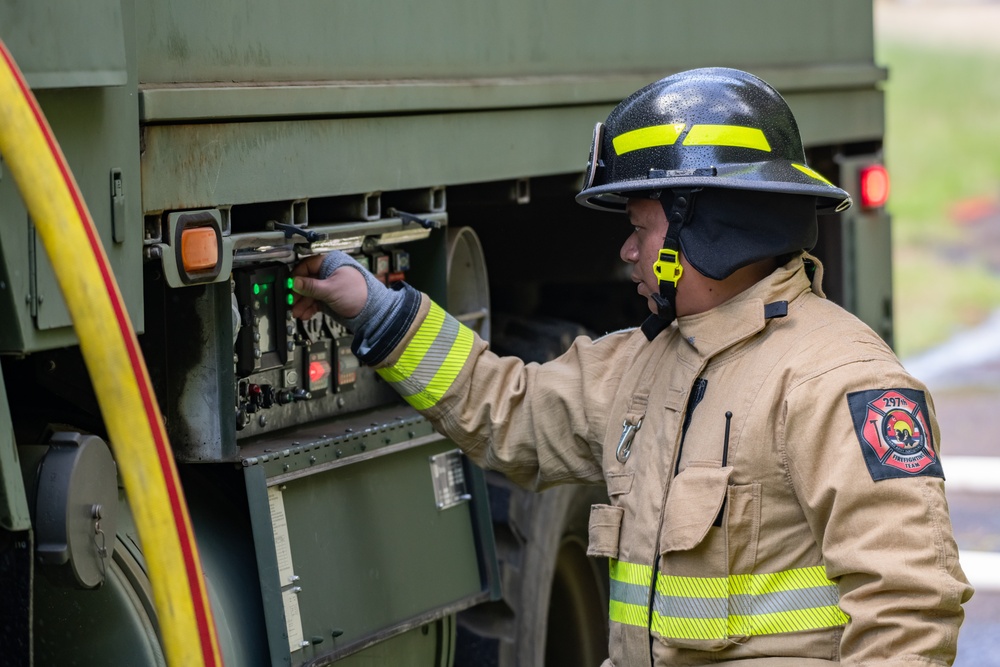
{"type": "Point", "coordinates": [789, 554]}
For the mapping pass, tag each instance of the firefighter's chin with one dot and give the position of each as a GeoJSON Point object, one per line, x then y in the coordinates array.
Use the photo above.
{"type": "Point", "coordinates": [646, 294]}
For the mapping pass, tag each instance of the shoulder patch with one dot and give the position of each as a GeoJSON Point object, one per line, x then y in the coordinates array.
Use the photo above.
{"type": "Point", "coordinates": [894, 433]}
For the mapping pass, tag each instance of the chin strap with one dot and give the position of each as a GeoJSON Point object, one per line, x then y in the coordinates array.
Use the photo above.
{"type": "Point", "coordinates": [668, 267]}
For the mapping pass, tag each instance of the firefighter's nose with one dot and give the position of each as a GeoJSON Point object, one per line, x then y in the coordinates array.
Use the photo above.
{"type": "Point", "coordinates": [630, 250]}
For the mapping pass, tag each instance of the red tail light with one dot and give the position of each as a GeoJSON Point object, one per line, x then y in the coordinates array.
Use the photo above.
{"type": "Point", "coordinates": [874, 186]}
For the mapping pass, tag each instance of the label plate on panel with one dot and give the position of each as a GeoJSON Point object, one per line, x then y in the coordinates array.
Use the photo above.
{"type": "Point", "coordinates": [448, 475]}
{"type": "Point", "coordinates": [293, 619]}
{"type": "Point", "coordinates": [282, 548]}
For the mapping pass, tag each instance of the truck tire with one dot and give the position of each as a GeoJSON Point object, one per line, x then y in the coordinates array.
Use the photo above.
{"type": "Point", "coordinates": [554, 610]}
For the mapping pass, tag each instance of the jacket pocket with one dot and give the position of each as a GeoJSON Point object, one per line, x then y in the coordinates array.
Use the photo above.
{"type": "Point", "coordinates": [695, 499]}
{"type": "Point", "coordinates": [605, 527]}
{"type": "Point", "coordinates": [691, 605]}
{"type": "Point", "coordinates": [742, 524]}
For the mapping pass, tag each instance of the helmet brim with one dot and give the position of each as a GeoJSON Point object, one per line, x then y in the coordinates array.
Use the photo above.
{"type": "Point", "coordinates": [778, 176]}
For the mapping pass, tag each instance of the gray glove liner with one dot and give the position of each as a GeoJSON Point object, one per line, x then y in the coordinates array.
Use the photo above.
{"type": "Point", "coordinates": [381, 300]}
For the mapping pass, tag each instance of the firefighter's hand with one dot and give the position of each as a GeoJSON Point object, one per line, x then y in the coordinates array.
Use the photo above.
{"type": "Point", "coordinates": [338, 282]}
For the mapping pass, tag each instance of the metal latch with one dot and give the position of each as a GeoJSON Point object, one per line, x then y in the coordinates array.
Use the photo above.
{"type": "Point", "coordinates": [117, 206]}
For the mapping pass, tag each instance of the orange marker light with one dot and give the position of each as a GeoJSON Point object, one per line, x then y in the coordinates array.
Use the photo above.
{"type": "Point", "coordinates": [874, 186]}
{"type": "Point", "coordinates": [199, 249]}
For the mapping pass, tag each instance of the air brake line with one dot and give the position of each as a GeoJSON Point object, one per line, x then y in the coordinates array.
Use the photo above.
{"type": "Point", "coordinates": [111, 352]}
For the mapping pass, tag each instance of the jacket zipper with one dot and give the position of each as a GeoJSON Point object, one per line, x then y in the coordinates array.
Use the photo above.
{"type": "Point", "coordinates": [696, 396]}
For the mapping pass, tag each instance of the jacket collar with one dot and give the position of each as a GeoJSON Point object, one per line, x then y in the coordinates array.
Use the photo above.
{"type": "Point", "coordinates": [743, 316]}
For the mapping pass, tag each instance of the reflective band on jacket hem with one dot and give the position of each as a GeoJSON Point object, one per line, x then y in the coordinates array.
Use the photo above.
{"type": "Point", "coordinates": [721, 607]}
{"type": "Point", "coordinates": [431, 362]}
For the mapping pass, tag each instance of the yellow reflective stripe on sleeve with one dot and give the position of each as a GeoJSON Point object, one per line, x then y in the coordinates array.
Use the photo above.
{"type": "Point", "coordinates": [812, 173]}
{"type": "Point", "coordinates": [448, 371]}
{"type": "Point", "coordinates": [647, 137]}
{"type": "Point", "coordinates": [415, 351]}
{"type": "Point", "coordinates": [432, 360]}
{"type": "Point", "coordinates": [727, 135]}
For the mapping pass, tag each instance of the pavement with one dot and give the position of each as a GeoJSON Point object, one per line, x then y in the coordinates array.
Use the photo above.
{"type": "Point", "coordinates": [963, 374]}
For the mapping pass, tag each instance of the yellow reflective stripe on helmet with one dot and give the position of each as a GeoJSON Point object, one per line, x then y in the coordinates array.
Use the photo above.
{"type": "Point", "coordinates": [647, 137]}
{"type": "Point", "coordinates": [727, 135]}
{"type": "Point", "coordinates": [812, 173]}
{"type": "Point", "coordinates": [720, 607]}
{"type": "Point", "coordinates": [433, 359]}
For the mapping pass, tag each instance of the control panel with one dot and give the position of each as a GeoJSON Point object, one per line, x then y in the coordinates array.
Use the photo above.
{"type": "Point", "coordinates": [289, 372]}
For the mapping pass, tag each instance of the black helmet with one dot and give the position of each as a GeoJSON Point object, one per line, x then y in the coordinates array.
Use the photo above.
{"type": "Point", "coordinates": [713, 127]}
{"type": "Point", "coordinates": [721, 151]}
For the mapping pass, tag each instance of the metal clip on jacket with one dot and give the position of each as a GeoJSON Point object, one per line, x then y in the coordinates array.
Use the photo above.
{"type": "Point", "coordinates": [625, 442]}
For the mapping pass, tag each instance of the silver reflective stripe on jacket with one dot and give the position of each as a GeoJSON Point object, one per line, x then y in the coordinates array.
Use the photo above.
{"type": "Point", "coordinates": [720, 607]}
{"type": "Point", "coordinates": [431, 361]}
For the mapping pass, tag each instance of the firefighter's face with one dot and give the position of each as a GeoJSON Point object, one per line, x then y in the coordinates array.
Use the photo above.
{"type": "Point", "coordinates": [642, 248]}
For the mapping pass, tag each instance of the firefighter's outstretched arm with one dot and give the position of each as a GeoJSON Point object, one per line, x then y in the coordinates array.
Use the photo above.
{"type": "Point", "coordinates": [377, 315]}
{"type": "Point", "coordinates": [539, 424]}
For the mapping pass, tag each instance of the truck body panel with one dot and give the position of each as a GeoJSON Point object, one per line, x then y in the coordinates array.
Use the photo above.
{"type": "Point", "coordinates": [432, 141]}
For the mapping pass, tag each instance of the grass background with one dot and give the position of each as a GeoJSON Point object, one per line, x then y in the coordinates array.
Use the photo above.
{"type": "Point", "coordinates": [942, 148]}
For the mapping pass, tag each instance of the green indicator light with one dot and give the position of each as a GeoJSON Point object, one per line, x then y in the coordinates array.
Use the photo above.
{"type": "Point", "coordinates": [290, 283]}
{"type": "Point", "coordinates": [266, 285]}
{"type": "Point", "coordinates": [291, 299]}
{"type": "Point", "coordinates": [266, 301]}
{"type": "Point", "coordinates": [256, 288]}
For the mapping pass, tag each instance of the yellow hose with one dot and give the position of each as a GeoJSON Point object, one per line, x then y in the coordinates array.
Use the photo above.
{"type": "Point", "coordinates": [117, 370]}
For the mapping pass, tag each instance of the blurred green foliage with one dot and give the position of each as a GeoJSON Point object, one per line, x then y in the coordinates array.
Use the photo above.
{"type": "Point", "coordinates": [942, 148]}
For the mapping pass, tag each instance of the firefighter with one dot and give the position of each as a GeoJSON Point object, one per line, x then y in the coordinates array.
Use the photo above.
{"type": "Point", "coordinates": [764, 507]}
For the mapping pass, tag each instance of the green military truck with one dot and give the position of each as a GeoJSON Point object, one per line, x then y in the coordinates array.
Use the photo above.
{"type": "Point", "coordinates": [441, 142]}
